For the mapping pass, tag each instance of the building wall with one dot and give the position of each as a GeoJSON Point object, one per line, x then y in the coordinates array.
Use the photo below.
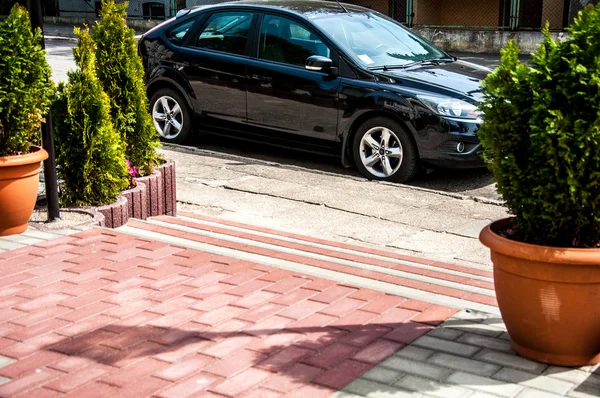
{"type": "Point", "coordinates": [457, 12]}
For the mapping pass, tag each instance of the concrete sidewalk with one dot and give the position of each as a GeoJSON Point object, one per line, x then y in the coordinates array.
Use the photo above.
{"type": "Point", "coordinates": [198, 306]}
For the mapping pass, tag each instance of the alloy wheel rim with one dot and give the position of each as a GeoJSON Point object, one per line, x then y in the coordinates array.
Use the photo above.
{"type": "Point", "coordinates": [168, 117]}
{"type": "Point", "coordinates": [381, 152]}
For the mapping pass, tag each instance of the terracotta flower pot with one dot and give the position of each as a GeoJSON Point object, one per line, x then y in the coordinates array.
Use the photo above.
{"type": "Point", "coordinates": [19, 178]}
{"type": "Point", "coordinates": [549, 298]}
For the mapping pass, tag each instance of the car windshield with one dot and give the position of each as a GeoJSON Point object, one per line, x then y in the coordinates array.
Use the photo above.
{"type": "Point", "coordinates": [376, 41]}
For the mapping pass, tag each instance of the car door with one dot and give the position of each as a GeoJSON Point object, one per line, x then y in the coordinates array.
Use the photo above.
{"type": "Point", "coordinates": [215, 62]}
{"type": "Point", "coordinates": [283, 96]}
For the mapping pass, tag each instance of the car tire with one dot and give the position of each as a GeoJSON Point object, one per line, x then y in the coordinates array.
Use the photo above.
{"type": "Point", "coordinates": [384, 151]}
{"type": "Point", "coordinates": [171, 116]}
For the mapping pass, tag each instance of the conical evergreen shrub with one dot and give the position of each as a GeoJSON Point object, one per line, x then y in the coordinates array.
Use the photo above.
{"type": "Point", "coordinates": [25, 86]}
{"type": "Point", "coordinates": [91, 157]}
{"type": "Point", "coordinates": [121, 72]}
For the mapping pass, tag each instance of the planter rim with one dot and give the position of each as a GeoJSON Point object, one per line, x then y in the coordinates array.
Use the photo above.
{"type": "Point", "coordinates": [548, 254]}
{"type": "Point", "coordinates": [37, 154]}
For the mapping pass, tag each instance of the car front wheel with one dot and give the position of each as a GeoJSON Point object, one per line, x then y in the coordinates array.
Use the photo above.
{"type": "Point", "coordinates": [384, 151]}
{"type": "Point", "coordinates": [171, 116]}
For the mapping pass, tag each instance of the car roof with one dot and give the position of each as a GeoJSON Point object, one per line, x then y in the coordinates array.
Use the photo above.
{"type": "Point", "coordinates": [305, 8]}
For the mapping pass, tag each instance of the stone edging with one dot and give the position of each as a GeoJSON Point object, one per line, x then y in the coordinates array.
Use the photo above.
{"type": "Point", "coordinates": [154, 195]}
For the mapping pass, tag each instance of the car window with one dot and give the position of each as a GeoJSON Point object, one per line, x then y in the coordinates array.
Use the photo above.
{"type": "Point", "coordinates": [178, 33]}
{"type": "Point", "coordinates": [284, 40]}
{"type": "Point", "coordinates": [225, 31]}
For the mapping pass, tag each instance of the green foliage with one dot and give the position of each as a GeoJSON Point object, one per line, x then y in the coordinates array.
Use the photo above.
{"type": "Point", "coordinates": [90, 153]}
{"type": "Point", "coordinates": [25, 85]}
{"type": "Point", "coordinates": [542, 134]}
{"type": "Point", "coordinates": [121, 72]}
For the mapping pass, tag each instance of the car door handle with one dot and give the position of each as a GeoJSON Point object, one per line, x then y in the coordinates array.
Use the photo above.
{"type": "Point", "coordinates": [262, 78]}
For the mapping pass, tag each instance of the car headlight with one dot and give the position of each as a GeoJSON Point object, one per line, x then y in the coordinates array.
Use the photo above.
{"type": "Point", "coordinates": [452, 107]}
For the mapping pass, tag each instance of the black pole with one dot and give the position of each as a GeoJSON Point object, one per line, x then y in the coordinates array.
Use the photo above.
{"type": "Point", "coordinates": [50, 178]}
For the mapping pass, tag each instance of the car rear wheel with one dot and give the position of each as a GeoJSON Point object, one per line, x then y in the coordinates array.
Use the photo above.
{"type": "Point", "coordinates": [384, 151]}
{"type": "Point", "coordinates": [171, 115]}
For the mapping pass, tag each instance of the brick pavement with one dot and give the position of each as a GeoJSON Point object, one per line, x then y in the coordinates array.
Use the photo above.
{"type": "Point", "coordinates": [176, 307]}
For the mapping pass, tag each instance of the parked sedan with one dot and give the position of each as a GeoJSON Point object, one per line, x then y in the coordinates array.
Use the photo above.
{"type": "Point", "coordinates": [318, 76]}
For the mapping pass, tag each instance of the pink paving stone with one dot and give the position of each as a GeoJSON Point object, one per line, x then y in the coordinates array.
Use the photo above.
{"type": "Point", "coordinates": [434, 315]}
{"type": "Point", "coordinates": [195, 384]}
{"type": "Point", "coordinates": [342, 307]}
{"type": "Point", "coordinates": [186, 367]}
{"type": "Point", "coordinates": [229, 346]}
{"type": "Point", "coordinates": [132, 337]}
{"type": "Point", "coordinates": [366, 294]}
{"type": "Point", "coordinates": [130, 308]}
{"type": "Point", "coordinates": [45, 393]}
{"type": "Point", "coordinates": [215, 302]}
{"type": "Point", "coordinates": [383, 303]}
{"type": "Point", "coordinates": [296, 377]}
{"type": "Point", "coordinates": [28, 382]}
{"type": "Point", "coordinates": [353, 320]}
{"type": "Point", "coordinates": [133, 354]}
{"type": "Point", "coordinates": [30, 364]}
{"type": "Point", "coordinates": [249, 287]}
{"type": "Point", "coordinates": [395, 316]}
{"type": "Point", "coordinates": [21, 350]}
{"type": "Point", "coordinates": [83, 342]}
{"type": "Point", "coordinates": [320, 338]}
{"type": "Point", "coordinates": [71, 364]}
{"type": "Point", "coordinates": [182, 349]}
{"type": "Point", "coordinates": [78, 378]}
{"type": "Point", "coordinates": [235, 363]}
{"type": "Point", "coordinates": [333, 293]}
{"type": "Point", "coordinates": [261, 393]}
{"type": "Point", "coordinates": [319, 285]}
{"type": "Point", "coordinates": [285, 285]}
{"type": "Point", "coordinates": [42, 302]}
{"type": "Point", "coordinates": [140, 369]}
{"type": "Point", "coordinates": [234, 386]}
{"type": "Point", "coordinates": [141, 388]}
{"type": "Point", "coordinates": [170, 292]}
{"type": "Point", "coordinates": [220, 315]}
{"type": "Point", "coordinates": [39, 329]}
{"type": "Point", "coordinates": [175, 318]}
{"type": "Point", "coordinates": [331, 355]}
{"type": "Point", "coordinates": [88, 281]}
{"type": "Point", "coordinates": [233, 327]}
{"type": "Point", "coordinates": [275, 342]}
{"type": "Point", "coordinates": [86, 325]}
{"type": "Point", "coordinates": [208, 291]}
{"type": "Point", "coordinates": [416, 305]}
{"type": "Point", "coordinates": [365, 335]}
{"type": "Point", "coordinates": [128, 295]}
{"type": "Point", "coordinates": [93, 390]}
{"type": "Point", "coordinates": [267, 326]}
{"type": "Point", "coordinates": [261, 312]}
{"type": "Point", "coordinates": [311, 322]}
{"type": "Point", "coordinates": [284, 358]}
{"type": "Point", "coordinates": [184, 331]}
{"type": "Point", "coordinates": [243, 277]}
{"type": "Point", "coordinates": [343, 374]}
{"type": "Point", "coordinates": [86, 299]}
{"type": "Point", "coordinates": [312, 391]}
{"type": "Point", "coordinates": [302, 309]}
{"type": "Point", "coordinates": [86, 311]}
{"type": "Point", "coordinates": [254, 299]}
{"type": "Point", "coordinates": [408, 332]}
{"type": "Point", "coordinates": [377, 352]}
{"type": "Point", "coordinates": [294, 296]}
{"type": "Point", "coordinates": [173, 305]}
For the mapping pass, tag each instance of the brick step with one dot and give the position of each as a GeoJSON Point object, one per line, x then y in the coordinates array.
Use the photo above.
{"type": "Point", "coordinates": [342, 264]}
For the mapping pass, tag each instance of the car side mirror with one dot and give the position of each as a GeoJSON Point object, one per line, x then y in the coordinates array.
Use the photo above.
{"type": "Point", "coordinates": [319, 63]}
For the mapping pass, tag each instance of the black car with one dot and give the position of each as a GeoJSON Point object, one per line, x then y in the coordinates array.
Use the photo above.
{"type": "Point", "coordinates": [318, 76]}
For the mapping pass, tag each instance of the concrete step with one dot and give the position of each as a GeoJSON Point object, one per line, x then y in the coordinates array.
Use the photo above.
{"type": "Point", "coordinates": [432, 281]}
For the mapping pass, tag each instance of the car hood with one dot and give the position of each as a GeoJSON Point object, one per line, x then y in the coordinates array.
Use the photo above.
{"type": "Point", "coordinates": [460, 77]}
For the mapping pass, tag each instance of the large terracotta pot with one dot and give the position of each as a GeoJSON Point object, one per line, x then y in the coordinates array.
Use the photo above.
{"type": "Point", "coordinates": [549, 298]}
{"type": "Point", "coordinates": [19, 178]}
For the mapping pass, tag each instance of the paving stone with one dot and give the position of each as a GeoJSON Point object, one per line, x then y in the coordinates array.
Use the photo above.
{"type": "Point", "coordinates": [370, 389]}
{"type": "Point", "coordinates": [532, 393]}
{"type": "Point", "coordinates": [584, 391]}
{"type": "Point", "coordinates": [430, 387]}
{"type": "Point", "coordinates": [576, 376]}
{"type": "Point", "coordinates": [505, 336]}
{"type": "Point", "coordinates": [497, 344]}
{"type": "Point", "coordinates": [473, 315]}
{"type": "Point", "coordinates": [472, 327]}
{"type": "Point", "coordinates": [445, 333]}
{"type": "Point", "coordinates": [383, 375]}
{"type": "Point", "coordinates": [343, 394]}
{"type": "Point", "coordinates": [412, 352]}
{"type": "Point", "coordinates": [510, 360]}
{"type": "Point", "coordinates": [33, 233]}
{"type": "Point", "coordinates": [460, 363]}
{"type": "Point", "coordinates": [533, 380]}
{"type": "Point", "coordinates": [484, 384]}
{"type": "Point", "coordinates": [8, 245]}
{"type": "Point", "coordinates": [447, 346]}
{"type": "Point", "coordinates": [22, 239]}
{"type": "Point", "coordinates": [406, 365]}
{"type": "Point", "coordinates": [4, 380]}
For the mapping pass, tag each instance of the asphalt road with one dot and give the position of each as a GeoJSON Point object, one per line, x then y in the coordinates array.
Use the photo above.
{"type": "Point", "coordinates": [474, 182]}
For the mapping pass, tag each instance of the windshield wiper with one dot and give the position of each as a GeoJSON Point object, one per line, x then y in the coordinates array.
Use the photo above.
{"type": "Point", "coordinates": [435, 61]}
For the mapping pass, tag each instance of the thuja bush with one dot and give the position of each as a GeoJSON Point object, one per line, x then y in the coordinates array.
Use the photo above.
{"type": "Point", "coordinates": [542, 135]}
{"type": "Point", "coordinates": [25, 86]}
{"type": "Point", "coordinates": [91, 157]}
{"type": "Point", "coordinates": [121, 72]}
